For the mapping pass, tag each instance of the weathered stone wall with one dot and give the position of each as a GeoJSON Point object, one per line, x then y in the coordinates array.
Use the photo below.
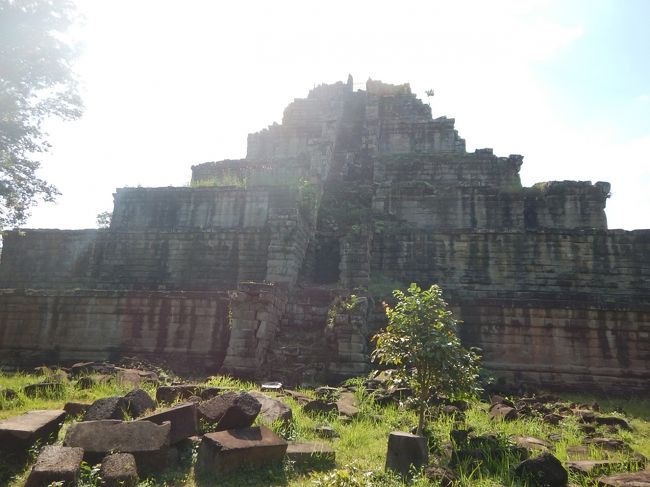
{"type": "Point", "coordinates": [478, 169]}
{"type": "Point", "coordinates": [287, 247]}
{"type": "Point", "coordinates": [255, 313]}
{"type": "Point", "coordinates": [51, 258]}
{"type": "Point", "coordinates": [566, 204]}
{"type": "Point", "coordinates": [610, 265]}
{"type": "Point", "coordinates": [188, 330]}
{"type": "Point", "coordinates": [163, 209]}
{"type": "Point", "coordinates": [421, 205]}
{"type": "Point", "coordinates": [561, 344]}
{"type": "Point", "coordinates": [220, 172]}
{"type": "Point", "coordinates": [207, 260]}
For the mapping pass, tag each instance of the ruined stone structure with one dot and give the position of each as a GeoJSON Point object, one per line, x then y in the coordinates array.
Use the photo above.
{"type": "Point", "coordinates": [249, 269]}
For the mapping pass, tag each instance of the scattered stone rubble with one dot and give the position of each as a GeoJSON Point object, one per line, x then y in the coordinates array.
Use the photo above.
{"type": "Point", "coordinates": [146, 439]}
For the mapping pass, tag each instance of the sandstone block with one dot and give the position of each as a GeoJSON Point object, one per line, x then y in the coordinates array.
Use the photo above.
{"type": "Point", "coordinates": [44, 389]}
{"type": "Point", "coordinates": [405, 452]}
{"type": "Point", "coordinates": [225, 451]}
{"type": "Point", "coordinates": [106, 408]}
{"type": "Point", "coordinates": [183, 421]}
{"type": "Point", "coordinates": [310, 453]}
{"type": "Point", "coordinates": [544, 470]}
{"type": "Point", "coordinates": [8, 394]}
{"type": "Point", "coordinates": [75, 408]}
{"type": "Point", "coordinates": [531, 443]}
{"type": "Point", "coordinates": [147, 441]}
{"type": "Point", "coordinates": [272, 409]}
{"type": "Point", "coordinates": [83, 368]}
{"type": "Point", "coordinates": [630, 479]}
{"type": "Point", "coordinates": [613, 421]}
{"type": "Point", "coordinates": [230, 410]}
{"type": "Point", "coordinates": [319, 406]}
{"type": "Point", "coordinates": [135, 377]}
{"type": "Point", "coordinates": [326, 431]}
{"type": "Point", "coordinates": [170, 394]}
{"type": "Point", "coordinates": [503, 412]}
{"type": "Point", "coordinates": [137, 402]}
{"type": "Point", "coordinates": [348, 405]}
{"type": "Point", "coordinates": [21, 432]}
{"type": "Point", "coordinates": [119, 470]}
{"type": "Point", "coordinates": [56, 464]}
{"type": "Point", "coordinates": [592, 468]}
{"type": "Point", "coordinates": [210, 392]}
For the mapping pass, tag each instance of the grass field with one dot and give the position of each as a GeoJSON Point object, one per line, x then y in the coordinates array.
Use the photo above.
{"type": "Point", "coordinates": [361, 446]}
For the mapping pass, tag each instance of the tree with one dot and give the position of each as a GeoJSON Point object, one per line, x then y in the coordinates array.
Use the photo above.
{"type": "Point", "coordinates": [421, 340]}
{"type": "Point", "coordinates": [104, 219]}
{"type": "Point", "coordinates": [36, 82]}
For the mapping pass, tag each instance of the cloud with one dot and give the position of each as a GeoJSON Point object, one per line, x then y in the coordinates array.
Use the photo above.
{"type": "Point", "coordinates": [643, 98]}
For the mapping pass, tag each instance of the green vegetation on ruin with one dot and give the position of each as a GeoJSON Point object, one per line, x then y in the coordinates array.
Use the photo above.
{"type": "Point", "coordinates": [361, 447]}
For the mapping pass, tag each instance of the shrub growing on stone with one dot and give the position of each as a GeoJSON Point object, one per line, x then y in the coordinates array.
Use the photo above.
{"type": "Point", "coordinates": [421, 341]}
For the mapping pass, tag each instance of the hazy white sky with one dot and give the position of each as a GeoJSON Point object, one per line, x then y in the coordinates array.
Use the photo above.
{"type": "Point", "coordinates": [169, 84]}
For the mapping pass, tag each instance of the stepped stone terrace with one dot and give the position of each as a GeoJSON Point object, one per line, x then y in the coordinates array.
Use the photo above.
{"type": "Point", "coordinates": [248, 269]}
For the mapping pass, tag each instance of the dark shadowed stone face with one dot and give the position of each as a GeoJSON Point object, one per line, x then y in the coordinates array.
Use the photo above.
{"type": "Point", "coordinates": [230, 410]}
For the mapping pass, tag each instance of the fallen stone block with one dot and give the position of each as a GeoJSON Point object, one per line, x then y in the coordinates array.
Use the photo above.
{"type": "Point", "coordinates": [449, 410]}
{"type": "Point", "coordinates": [226, 451]}
{"type": "Point", "coordinates": [138, 402]}
{"type": "Point", "coordinates": [299, 397]}
{"type": "Point", "coordinates": [170, 394]}
{"type": "Point", "coordinates": [119, 470]}
{"type": "Point", "coordinates": [318, 406]}
{"type": "Point", "coordinates": [326, 431]}
{"type": "Point", "coordinates": [147, 441]}
{"type": "Point", "coordinates": [544, 470]}
{"type": "Point", "coordinates": [75, 408]}
{"type": "Point", "coordinates": [21, 432]}
{"type": "Point", "coordinates": [327, 392]}
{"type": "Point", "coordinates": [531, 443]}
{"type": "Point", "coordinates": [8, 394]}
{"type": "Point", "coordinates": [84, 368]}
{"type": "Point", "coordinates": [612, 444]}
{"type": "Point", "coordinates": [612, 421]}
{"type": "Point", "coordinates": [406, 452]}
{"type": "Point", "coordinates": [44, 389]}
{"type": "Point", "coordinates": [553, 418]}
{"type": "Point", "coordinates": [592, 468]}
{"type": "Point", "coordinates": [210, 392]}
{"type": "Point", "coordinates": [503, 412]}
{"type": "Point", "coordinates": [630, 479]}
{"type": "Point", "coordinates": [112, 407]}
{"type": "Point", "coordinates": [183, 421]}
{"type": "Point", "coordinates": [135, 377]}
{"type": "Point", "coordinates": [497, 399]}
{"type": "Point", "coordinates": [347, 405]}
{"type": "Point", "coordinates": [56, 464]}
{"type": "Point", "coordinates": [272, 410]}
{"type": "Point", "coordinates": [89, 381]}
{"type": "Point", "coordinates": [230, 410]}
{"type": "Point", "coordinates": [309, 453]}
{"type": "Point", "coordinates": [444, 477]}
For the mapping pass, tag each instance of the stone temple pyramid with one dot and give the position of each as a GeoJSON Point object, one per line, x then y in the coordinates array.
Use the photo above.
{"type": "Point", "coordinates": [248, 269]}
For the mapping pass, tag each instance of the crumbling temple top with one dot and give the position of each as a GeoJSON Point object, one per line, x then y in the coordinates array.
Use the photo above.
{"type": "Point", "coordinates": [355, 192]}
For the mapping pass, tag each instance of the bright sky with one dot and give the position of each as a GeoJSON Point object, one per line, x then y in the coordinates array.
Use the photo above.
{"type": "Point", "coordinates": [169, 84]}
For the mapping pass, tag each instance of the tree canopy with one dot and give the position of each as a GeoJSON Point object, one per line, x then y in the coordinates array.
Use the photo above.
{"type": "Point", "coordinates": [36, 82]}
{"type": "Point", "coordinates": [421, 340]}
